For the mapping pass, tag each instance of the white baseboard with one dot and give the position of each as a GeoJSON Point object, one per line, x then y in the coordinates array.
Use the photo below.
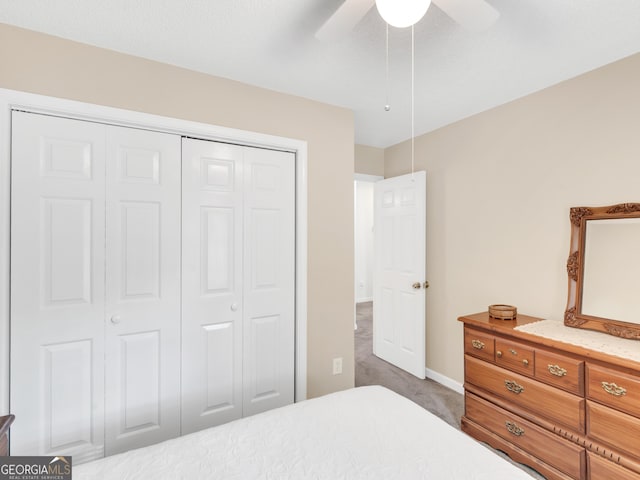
{"type": "Point", "coordinates": [364, 299]}
{"type": "Point", "coordinates": [446, 381]}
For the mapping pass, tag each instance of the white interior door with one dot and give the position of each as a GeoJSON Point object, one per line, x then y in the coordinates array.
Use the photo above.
{"type": "Point", "coordinates": [399, 272]}
{"type": "Point", "coordinates": [269, 276]}
{"type": "Point", "coordinates": [212, 306]}
{"type": "Point", "coordinates": [95, 287]}
{"type": "Point", "coordinates": [238, 282]}
{"type": "Point", "coordinates": [142, 310]}
{"type": "Point", "coordinates": [57, 286]}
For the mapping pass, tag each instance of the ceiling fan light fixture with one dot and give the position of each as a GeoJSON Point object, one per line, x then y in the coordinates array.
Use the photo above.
{"type": "Point", "coordinates": [402, 13]}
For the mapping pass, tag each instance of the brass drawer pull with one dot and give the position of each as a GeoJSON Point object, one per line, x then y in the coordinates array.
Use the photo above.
{"type": "Point", "coordinates": [525, 362]}
{"type": "Point", "coordinates": [513, 387]}
{"type": "Point", "coordinates": [499, 354]}
{"type": "Point", "coordinates": [614, 389]}
{"type": "Point", "coordinates": [477, 344]}
{"type": "Point", "coordinates": [513, 352]}
{"type": "Point", "coordinates": [557, 370]}
{"type": "Point", "coordinates": [514, 429]}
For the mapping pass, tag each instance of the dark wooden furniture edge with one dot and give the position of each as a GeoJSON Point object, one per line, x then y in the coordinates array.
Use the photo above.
{"type": "Point", "coordinates": [5, 423]}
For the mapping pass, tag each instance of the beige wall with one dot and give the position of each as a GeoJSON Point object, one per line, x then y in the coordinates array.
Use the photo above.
{"type": "Point", "coordinates": [499, 188]}
{"type": "Point", "coordinates": [369, 160]}
{"type": "Point", "coordinates": [47, 65]}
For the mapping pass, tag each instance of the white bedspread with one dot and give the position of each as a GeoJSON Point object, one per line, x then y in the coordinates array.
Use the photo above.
{"type": "Point", "coordinates": [363, 433]}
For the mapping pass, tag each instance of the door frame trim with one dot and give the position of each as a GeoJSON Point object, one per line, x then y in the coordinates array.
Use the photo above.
{"type": "Point", "coordinates": [15, 100]}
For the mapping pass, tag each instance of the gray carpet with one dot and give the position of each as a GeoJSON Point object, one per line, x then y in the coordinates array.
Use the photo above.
{"type": "Point", "coordinates": [370, 370]}
{"type": "Point", "coordinates": [438, 399]}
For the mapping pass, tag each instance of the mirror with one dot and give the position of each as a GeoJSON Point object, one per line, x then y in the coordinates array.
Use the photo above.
{"type": "Point", "coordinates": [604, 270]}
{"type": "Point", "coordinates": [610, 280]}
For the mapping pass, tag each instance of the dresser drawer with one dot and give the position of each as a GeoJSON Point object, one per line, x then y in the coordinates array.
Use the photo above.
{"type": "Point", "coordinates": [479, 344]}
{"type": "Point", "coordinates": [618, 430]}
{"type": "Point", "coordinates": [547, 401]}
{"type": "Point", "coordinates": [602, 469]}
{"type": "Point", "coordinates": [613, 388]}
{"type": "Point", "coordinates": [560, 371]}
{"type": "Point", "coordinates": [557, 452]}
{"type": "Point", "coordinates": [515, 356]}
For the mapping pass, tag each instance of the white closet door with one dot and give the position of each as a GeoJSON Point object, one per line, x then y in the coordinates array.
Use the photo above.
{"type": "Point", "coordinates": [268, 279]}
{"type": "Point", "coordinates": [212, 305]}
{"type": "Point", "coordinates": [238, 252]}
{"type": "Point", "coordinates": [57, 286]}
{"type": "Point", "coordinates": [142, 362]}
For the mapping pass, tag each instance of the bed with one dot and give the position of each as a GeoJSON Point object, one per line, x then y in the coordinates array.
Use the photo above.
{"type": "Point", "coordinates": [362, 433]}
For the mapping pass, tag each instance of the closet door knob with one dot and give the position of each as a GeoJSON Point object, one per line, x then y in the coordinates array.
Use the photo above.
{"type": "Point", "coordinates": [115, 319]}
{"type": "Point", "coordinates": [234, 307]}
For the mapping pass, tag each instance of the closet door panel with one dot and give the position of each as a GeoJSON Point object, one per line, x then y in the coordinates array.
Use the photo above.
{"type": "Point", "coordinates": [211, 284]}
{"type": "Point", "coordinates": [140, 255]}
{"type": "Point", "coordinates": [140, 375]}
{"type": "Point", "coordinates": [217, 250]}
{"type": "Point", "coordinates": [262, 357]}
{"type": "Point", "coordinates": [219, 381]}
{"type": "Point", "coordinates": [269, 276]}
{"type": "Point", "coordinates": [142, 288]}
{"type": "Point", "coordinates": [57, 284]}
{"type": "Point", "coordinates": [67, 379]}
{"type": "Point", "coordinates": [66, 255]}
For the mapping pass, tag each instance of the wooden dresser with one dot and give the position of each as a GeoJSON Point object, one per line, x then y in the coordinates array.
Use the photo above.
{"type": "Point", "coordinates": [566, 411]}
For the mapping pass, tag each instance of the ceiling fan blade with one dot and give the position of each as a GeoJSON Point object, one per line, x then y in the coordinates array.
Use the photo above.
{"type": "Point", "coordinates": [474, 15]}
{"type": "Point", "coordinates": [344, 20]}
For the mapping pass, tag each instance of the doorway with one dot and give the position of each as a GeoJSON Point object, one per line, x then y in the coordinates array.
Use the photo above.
{"type": "Point", "coordinates": [390, 257]}
{"type": "Point", "coordinates": [363, 239]}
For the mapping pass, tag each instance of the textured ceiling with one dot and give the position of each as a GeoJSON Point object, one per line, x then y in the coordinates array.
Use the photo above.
{"type": "Point", "coordinates": [271, 43]}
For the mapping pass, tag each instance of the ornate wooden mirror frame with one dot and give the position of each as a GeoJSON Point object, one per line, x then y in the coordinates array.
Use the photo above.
{"type": "Point", "coordinates": [573, 316]}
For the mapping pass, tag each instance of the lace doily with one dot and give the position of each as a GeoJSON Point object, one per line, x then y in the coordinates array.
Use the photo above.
{"type": "Point", "coordinates": [602, 342]}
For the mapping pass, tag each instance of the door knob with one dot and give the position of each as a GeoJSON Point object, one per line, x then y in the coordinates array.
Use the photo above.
{"type": "Point", "coordinates": [417, 285]}
{"type": "Point", "coordinates": [426, 285]}
{"type": "Point", "coordinates": [234, 307]}
{"type": "Point", "coordinates": [115, 319]}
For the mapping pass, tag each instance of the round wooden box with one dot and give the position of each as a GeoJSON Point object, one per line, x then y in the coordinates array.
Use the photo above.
{"type": "Point", "coordinates": [503, 312]}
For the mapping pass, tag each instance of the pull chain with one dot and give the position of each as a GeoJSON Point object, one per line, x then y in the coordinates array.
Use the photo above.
{"type": "Point", "coordinates": [387, 105]}
{"type": "Point", "coordinates": [412, 102]}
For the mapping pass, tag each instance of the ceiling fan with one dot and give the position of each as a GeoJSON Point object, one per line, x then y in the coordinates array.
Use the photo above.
{"type": "Point", "coordinates": [474, 15]}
